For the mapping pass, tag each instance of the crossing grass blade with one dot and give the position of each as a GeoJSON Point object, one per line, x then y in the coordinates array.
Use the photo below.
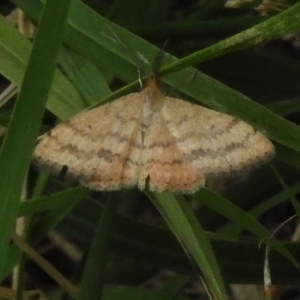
{"type": "Point", "coordinates": [27, 115]}
{"type": "Point", "coordinates": [64, 99]}
{"type": "Point", "coordinates": [192, 237]}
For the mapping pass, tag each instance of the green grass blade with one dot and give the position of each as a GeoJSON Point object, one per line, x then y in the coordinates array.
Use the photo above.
{"type": "Point", "coordinates": [173, 287]}
{"type": "Point", "coordinates": [285, 107]}
{"type": "Point", "coordinates": [192, 237]}
{"type": "Point", "coordinates": [27, 115]}
{"type": "Point", "coordinates": [39, 204]}
{"type": "Point", "coordinates": [64, 100]}
{"type": "Point", "coordinates": [63, 203]}
{"type": "Point", "coordinates": [93, 277]}
{"type": "Point", "coordinates": [288, 156]}
{"type": "Point", "coordinates": [234, 229]}
{"type": "Point", "coordinates": [287, 189]}
{"type": "Point", "coordinates": [87, 79]}
{"type": "Point", "coordinates": [273, 28]}
{"type": "Point", "coordinates": [232, 212]}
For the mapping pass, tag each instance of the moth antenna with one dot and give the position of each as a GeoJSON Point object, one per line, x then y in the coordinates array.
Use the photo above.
{"type": "Point", "coordinates": [133, 56]}
{"type": "Point", "coordinates": [158, 59]}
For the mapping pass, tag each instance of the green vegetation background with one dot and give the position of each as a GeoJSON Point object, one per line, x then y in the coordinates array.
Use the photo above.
{"type": "Point", "coordinates": [232, 69]}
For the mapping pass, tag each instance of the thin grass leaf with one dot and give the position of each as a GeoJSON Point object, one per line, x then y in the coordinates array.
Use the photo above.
{"type": "Point", "coordinates": [87, 79]}
{"type": "Point", "coordinates": [232, 212]}
{"type": "Point", "coordinates": [64, 100]}
{"type": "Point", "coordinates": [292, 197]}
{"type": "Point", "coordinates": [22, 129]}
{"type": "Point", "coordinates": [66, 198]}
{"type": "Point", "coordinates": [285, 107]}
{"type": "Point", "coordinates": [40, 184]}
{"type": "Point", "coordinates": [172, 287]}
{"type": "Point", "coordinates": [233, 230]}
{"type": "Point", "coordinates": [45, 265]}
{"type": "Point", "coordinates": [93, 277]}
{"type": "Point", "coordinates": [61, 204]}
{"type": "Point", "coordinates": [52, 218]}
{"type": "Point", "coordinates": [241, 261]}
{"type": "Point", "coordinates": [192, 237]}
{"type": "Point", "coordinates": [288, 156]}
{"type": "Point", "coordinates": [273, 28]}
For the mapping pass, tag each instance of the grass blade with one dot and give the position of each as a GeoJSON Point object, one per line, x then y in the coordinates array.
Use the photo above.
{"type": "Point", "coordinates": [192, 237]}
{"type": "Point", "coordinates": [22, 129]}
{"type": "Point", "coordinates": [64, 100]}
{"type": "Point", "coordinates": [93, 277]}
